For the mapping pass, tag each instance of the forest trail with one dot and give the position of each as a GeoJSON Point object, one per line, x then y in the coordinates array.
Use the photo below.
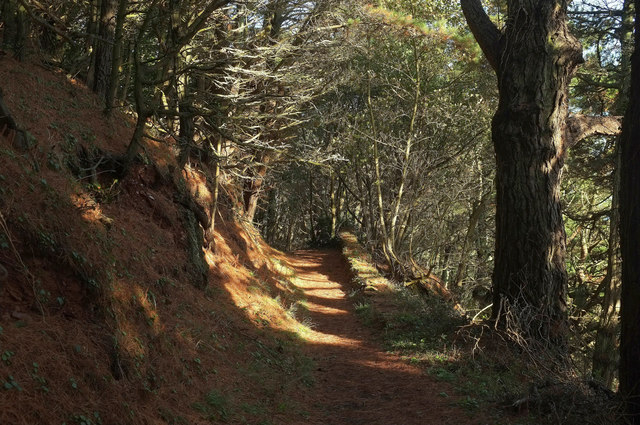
{"type": "Point", "coordinates": [357, 382]}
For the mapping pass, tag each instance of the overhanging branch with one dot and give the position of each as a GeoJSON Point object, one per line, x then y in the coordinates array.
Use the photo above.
{"type": "Point", "coordinates": [483, 29]}
{"type": "Point", "coordinates": [579, 127]}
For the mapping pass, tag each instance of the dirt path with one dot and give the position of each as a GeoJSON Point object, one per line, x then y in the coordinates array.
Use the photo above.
{"type": "Point", "coordinates": [357, 382]}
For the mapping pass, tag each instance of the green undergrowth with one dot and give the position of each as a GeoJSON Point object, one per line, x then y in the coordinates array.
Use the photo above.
{"type": "Point", "coordinates": [481, 370]}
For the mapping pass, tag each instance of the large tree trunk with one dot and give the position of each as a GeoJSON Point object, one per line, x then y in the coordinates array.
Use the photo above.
{"type": "Point", "coordinates": [534, 58]}
{"type": "Point", "coordinates": [630, 243]}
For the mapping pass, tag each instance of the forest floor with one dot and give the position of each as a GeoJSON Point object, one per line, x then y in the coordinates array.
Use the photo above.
{"type": "Point", "coordinates": [102, 321]}
{"type": "Point", "coordinates": [358, 382]}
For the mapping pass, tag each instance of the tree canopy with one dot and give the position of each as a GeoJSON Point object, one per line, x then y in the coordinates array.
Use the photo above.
{"type": "Point", "coordinates": [473, 148]}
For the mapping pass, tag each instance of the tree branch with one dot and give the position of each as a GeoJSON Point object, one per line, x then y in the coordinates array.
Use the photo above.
{"type": "Point", "coordinates": [483, 29]}
{"type": "Point", "coordinates": [579, 127]}
{"type": "Point", "coordinates": [46, 24]}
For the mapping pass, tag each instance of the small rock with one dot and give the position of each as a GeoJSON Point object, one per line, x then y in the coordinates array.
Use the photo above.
{"type": "Point", "coordinates": [20, 316]}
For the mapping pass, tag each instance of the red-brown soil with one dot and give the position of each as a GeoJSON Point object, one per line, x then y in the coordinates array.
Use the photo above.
{"type": "Point", "coordinates": [149, 347]}
{"type": "Point", "coordinates": [357, 381]}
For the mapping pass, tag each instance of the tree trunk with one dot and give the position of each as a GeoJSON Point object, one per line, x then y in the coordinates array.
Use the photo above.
{"type": "Point", "coordinates": [209, 234]}
{"type": "Point", "coordinates": [92, 32]}
{"type": "Point", "coordinates": [22, 27]}
{"type": "Point", "coordinates": [15, 31]}
{"type": "Point", "coordinates": [394, 231]}
{"type": "Point", "coordinates": [9, 13]}
{"type": "Point", "coordinates": [290, 232]}
{"type": "Point", "coordinates": [334, 204]}
{"type": "Point", "coordinates": [186, 119]}
{"type": "Point", "coordinates": [534, 58]}
{"type": "Point", "coordinates": [186, 134]}
{"type": "Point", "coordinates": [141, 110]}
{"type": "Point", "coordinates": [116, 56]}
{"type": "Point", "coordinates": [383, 235]}
{"type": "Point", "coordinates": [104, 45]}
{"type": "Point", "coordinates": [123, 93]}
{"type": "Point", "coordinates": [253, 189]}
{"type": "Point", "coordinates": [312, 225]}
{"type": "Point", "coordinates": [477, 212]}
{"type": "Point", "coordinates": [605, 353]}
{"type": "Point", "coordinates": [272, 218]}
{"type": "Point", "coordinates": [630, 243]}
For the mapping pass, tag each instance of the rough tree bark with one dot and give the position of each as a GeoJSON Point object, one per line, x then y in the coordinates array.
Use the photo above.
{"type": "Point", "coordinates": [579, 127]}
{"type": "Point", "coordinates": [534, 57]}
{"type": "Point", "coordinates": [630, 243]}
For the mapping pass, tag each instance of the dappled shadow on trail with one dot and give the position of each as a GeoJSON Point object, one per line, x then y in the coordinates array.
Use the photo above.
{"type": "Point", "coordinates": [357, 382]}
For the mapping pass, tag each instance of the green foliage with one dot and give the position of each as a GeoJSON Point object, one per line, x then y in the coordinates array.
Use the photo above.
{"type": "Point", "coordinates": [215, 406]}
{"type": "Point", "coordinates": [442, 374]}
{"type": "Point", "coordinates": [422, 326]}
{"type": "Point", "coordinates": [365, 311]}
{"type": "Point", "coordinates": [84, 419]}
{"type": "Point", "coordinates": [6, 357]}
{"type": "Point", "coordinates": [39, 379]}
{"type": "Point", "coordinates": [11, 384]}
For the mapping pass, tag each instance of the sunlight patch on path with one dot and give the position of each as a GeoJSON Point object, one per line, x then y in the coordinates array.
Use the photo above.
{"type": "Point", "coordinates": [384, 362]}
{"type": "Point", "coordinates": [317, 337]}
{"type": "Point", "coordinates": [326, 310]}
